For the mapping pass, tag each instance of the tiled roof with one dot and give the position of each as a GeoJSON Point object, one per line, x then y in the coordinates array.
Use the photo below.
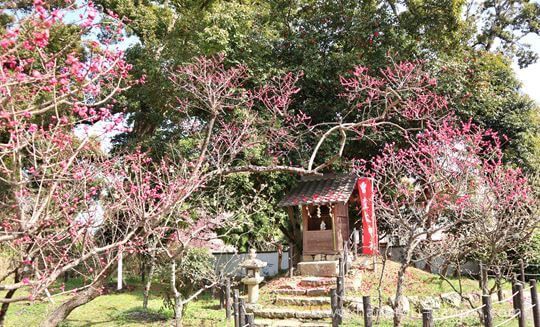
{"type": "Point", "coordinates": [320, 190]}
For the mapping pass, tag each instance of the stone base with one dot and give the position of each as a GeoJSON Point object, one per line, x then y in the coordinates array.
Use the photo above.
{"type": "Point", "coordinates": [318, 268]}
{"type": "Point", "coordinates": [320, 257]}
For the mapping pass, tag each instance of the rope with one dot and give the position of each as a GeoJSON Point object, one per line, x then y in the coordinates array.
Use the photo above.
{"type": "Point", "coordinates": [508, 320]}
{"type": "Point", "coordinates": [460, 314]}
{"type": "Point", "coordinates": [530, 307]}
{"type": "Point", "coordinates": [505, 300]}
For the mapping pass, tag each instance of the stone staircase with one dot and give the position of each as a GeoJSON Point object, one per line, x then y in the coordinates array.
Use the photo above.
{"type": "Point", "coordinates": [306, 304]}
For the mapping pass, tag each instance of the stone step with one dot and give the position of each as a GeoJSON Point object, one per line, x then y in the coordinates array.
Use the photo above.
{"type": "Point", "coordinates": [289, 291]}
{"type": "Point", "coordinates": [353, 304]}
{"type": "Point", "coordinates": [303, 300]}
{"type": "Point", "coordinates": [319, 291]}
{"type": "Point", "coordinates": [285, 313]}
{"type": "Point", "coordinates": [317, 282]}
{"type": "Point", "coordinates": [289, 323]}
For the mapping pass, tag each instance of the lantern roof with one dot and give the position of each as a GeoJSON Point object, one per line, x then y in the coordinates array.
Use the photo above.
{"type": "Point", "coordinates": [319, 190]}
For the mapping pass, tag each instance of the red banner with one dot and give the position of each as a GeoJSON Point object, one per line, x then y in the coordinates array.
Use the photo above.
{"type": "Point", "coordinates": [370, 238]}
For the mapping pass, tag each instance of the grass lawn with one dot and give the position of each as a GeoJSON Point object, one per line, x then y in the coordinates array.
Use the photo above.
{"type": "Point", "coordinates": [125, 308]}
{"type": "Point", "coordinates": [120, 309]}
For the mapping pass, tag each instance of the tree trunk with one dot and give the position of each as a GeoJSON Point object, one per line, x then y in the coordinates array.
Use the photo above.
{"type": "Point", "coordinates": [152, 252]}
{"type": "Point", "coordinates": [411, 246]}
{"type": "Point", "coordinates": [178, 305]}
{"type": "Point", "coordinates": [149, 283]}
{"type": "Point", "coordinates": [445, 267]}
{"type": "Point", "coordinates": [63, 311]}
{"type": "Point", "coordinates": [429, 236]}
{"type": "Point", "coordinates": [9, 295]}
{"type": "Point", "coordinates": [143, 270]}
{"type": "Point", "coordinates": [399, 291]}
{"type": "Point", "coordinates": [498, 283]}
{"type": "Point", "coordinates": [178, 310]}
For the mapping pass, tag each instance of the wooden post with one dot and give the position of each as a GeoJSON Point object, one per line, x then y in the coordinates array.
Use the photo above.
{"type": "Point", "coordinates": [334, 227]}
{"type": "Point", "coordinates": [236, 309]}
{"type": "Point", "coordinates": [242, 316]}
{"type": "Point", "coordinates": [480, 274]}
{"type": "Point", "coordinates": [427, 318]}
{"type": "Point", "coordinates": [334, 306]}
{"type": "Point", "coordinates": [534, 301]}
{"type": "Point", "coordinates": [228, 298]}
{"type": "Point", "coordinates": [522, 271]}
{"type": "Point", "coordinates": [515, 296]}
{"type": "Point", "coordinates": [341, 267]}
{"type": "Point", "coordinates": [521, 303]}
{"type": "Point", "coordinates": [345, 256]}
{"type": "Point", "coordinates": [291, 273]}
{"type": "Point", "coordinates": [341, 288]}
{"type": "Point", "coordinates": [368, 312]}
{"type": "Point", "coordinates": [338, 286]}
{"type": "Point", "coordinates": [250, 319]}
{"type": "Point", "coordinates": [341, 301]}
{"type": "Point", "coordinates": [488, 318]}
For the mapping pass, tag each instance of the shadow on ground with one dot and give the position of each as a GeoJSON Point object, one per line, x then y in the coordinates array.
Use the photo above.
{"type": "Point", "coordinates": [141, 315]}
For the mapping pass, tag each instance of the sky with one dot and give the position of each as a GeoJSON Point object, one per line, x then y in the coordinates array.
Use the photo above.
{"type": "Point", "coordinates": [530, 76]}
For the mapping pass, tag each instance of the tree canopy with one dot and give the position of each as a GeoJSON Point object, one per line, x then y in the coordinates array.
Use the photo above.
{"type": "Point", "coordinates": [468, 46]}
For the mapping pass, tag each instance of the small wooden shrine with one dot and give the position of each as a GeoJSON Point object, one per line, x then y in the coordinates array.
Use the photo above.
{"type": "Point", "coordinates": [324, 206]}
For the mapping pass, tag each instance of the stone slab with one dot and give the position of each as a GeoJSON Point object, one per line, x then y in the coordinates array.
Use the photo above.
{"type": "Point", "coordinates": [289, 291]}
{"type": "Point", "coordinates": [284, 313]}
{"type": "Point", "coordinates": [303, 301]}
{"type": "Point", "coordinates": [317, 291]}
{"type": "Point", "coordinates": [288, 323]}
{"type": "Point", "coordinates": [311, 281]}
{"type": "Point", "coordinates": [318, 268]}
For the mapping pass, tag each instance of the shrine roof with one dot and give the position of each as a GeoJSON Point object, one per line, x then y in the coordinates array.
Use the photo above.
{"type": "Point", "coordinates": [319, 190]}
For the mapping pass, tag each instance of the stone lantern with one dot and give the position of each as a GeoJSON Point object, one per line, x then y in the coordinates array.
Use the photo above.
{"type": "Point", "coordinates": [253, 276]}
